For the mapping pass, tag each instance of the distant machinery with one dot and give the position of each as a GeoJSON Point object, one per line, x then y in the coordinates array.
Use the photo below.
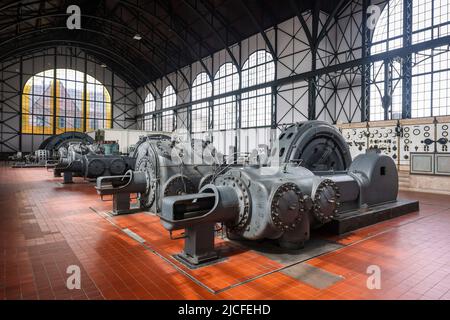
{"type": "Point", "coordinates": [164, 166]}
{"type": "Point", "coordinates": [258, 156]}
{"type": "Point", "coordinates": [90, 161]}
{"type": "Point", "coordinates": [51, 149]}
{"type": "Point", "coordinates": [314, 183]}
{"type": "Point", "coordinates": [110, 148]}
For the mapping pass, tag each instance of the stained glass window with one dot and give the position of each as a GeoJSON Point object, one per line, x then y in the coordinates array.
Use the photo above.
{"type": "Point", "coordinates": [56, 101]}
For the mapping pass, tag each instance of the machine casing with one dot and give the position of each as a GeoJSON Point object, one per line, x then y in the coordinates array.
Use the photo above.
{"type": "Point", "coordinates": [311, 182]}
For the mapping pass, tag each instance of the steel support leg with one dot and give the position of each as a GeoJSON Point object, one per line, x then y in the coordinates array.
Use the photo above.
{"type": "Point", "coordinates": [121, 203]}
{"type": "Point", "coordinates": [199, 244]}
{"type": "Point", "coordinates": [68, 177]}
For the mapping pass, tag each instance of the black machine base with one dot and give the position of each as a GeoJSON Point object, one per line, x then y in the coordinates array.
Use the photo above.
{"type": "Point", "coordinates": [68, 177]}
{"type": "Point", "coordinates": [122, 204]}
{"type": "Point", "coordinates": [28, 165]}
{"type": "Point", "coordinates": [199, 248]}
{"type": "Point", "coordinates": [353, 220]}
{"type": "Point", "coordinates": [124, 212]}
{"type": "Point", "coordinates": [182, 258]}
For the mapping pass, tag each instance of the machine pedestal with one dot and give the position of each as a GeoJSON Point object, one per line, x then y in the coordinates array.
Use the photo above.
{"type": "Point", "coordinates": [56, 173]}
{"type": "Point", "coordinates": [68, 177]}
{"type": "Point", "coordinates": [199, 246]}
{"type": "Point", "coordinates": [122, 205]}
{"type": "Point", "coordinates": [353, 220]}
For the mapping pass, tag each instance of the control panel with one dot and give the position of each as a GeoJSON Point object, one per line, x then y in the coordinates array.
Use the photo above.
{"type": "Point", "coordinates": [398, 139]}
{"type": "Point", "coordinates": [416, 138]}
{"type": "Point", "coordinates": [385, 139]}
{"type": "Point", "coordinates": [356, 139]}
{"type": "Point", "coordinates": [442, 136]}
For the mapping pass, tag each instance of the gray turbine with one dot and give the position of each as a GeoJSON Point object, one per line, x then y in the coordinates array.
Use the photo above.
{"type": "Point", "coordinates": [88, 160]}
{"type": "Point", "coordinates": [164, 167]}
{"type": "Point", "coordinates": [314, 182]}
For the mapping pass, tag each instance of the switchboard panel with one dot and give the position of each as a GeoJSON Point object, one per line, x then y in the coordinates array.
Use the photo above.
{"type": "Point", "coordinates": [400, 139]}
{"type": "Point", "coordinates": [416, 138]}
{"type": "Point", "coordinates": [385, 139]}
{"type": "Point", "coordinates": [442, 136]}
{"type": "Point", "coordinates": [357, 139]}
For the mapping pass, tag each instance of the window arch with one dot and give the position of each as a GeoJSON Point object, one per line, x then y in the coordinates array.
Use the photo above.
{"type": "Point", "coordinates": [169, 100]}
{"type": "Point", "coordinates": [256, 106]}
{"type": "Point", "coordinates": [258, 68]}
{"type": "Point", "coordinates": [201, 89]}
{"type": "Point", "coordinates": [60, 100]}
{"type": "Point", "coordinates": [430, 74]}
{"type": "Point", "coordinates": [226, 79]}
{"type": "Point", "coordinates": [149, 106]}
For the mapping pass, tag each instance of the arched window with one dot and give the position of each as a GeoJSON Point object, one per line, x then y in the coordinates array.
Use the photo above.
{"type": "Point", "coordinates": [149, 106]}
{"type": "Point", "coordinates": [57, 100]}
{"type": "Point", "coordinates": [201, 89]}
{"type": "Point", "coordinates": [169, 100]}
{"type": "Point", "coordinates": [226, 79]}
{"type": "Point", "coordinates": [430, 75]}
{"type": "Point", "coordinates": [256, 106]}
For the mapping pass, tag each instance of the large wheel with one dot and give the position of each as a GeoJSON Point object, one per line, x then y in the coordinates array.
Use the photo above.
{"type": "Point", "coordinates": [56, 142]}
{"type": "Point", "coordinates": [145, 164]}
{"type": "Point", "coordinates": [117, 167]}
{"type": "Point", "coordinates": [95, 168]}
{"type": "Point", "coordinates": [315, 145]}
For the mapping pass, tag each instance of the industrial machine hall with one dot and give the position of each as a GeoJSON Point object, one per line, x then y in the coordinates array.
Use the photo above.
{"type": "Point", "coordinates": [224, 150]}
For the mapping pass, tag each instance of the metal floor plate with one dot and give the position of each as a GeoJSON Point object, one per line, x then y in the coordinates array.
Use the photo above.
{"type": "Point", "coordinates": [313, 276]}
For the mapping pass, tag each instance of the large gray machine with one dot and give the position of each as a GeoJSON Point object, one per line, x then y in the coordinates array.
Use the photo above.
{"type": "Point", "coordinates": [165, 166]}
{"type": "Point", "coordinates": [89, 161]}
{"type": "Point", "coordinates": [51, 149]}
{"type": "Point", "coordinates": [311, 182]}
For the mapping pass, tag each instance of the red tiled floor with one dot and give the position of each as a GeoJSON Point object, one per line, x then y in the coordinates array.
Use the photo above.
{"type": "Point", "coordinates": [46, 227]}
{"type": "Point", "coordinates": [217, 276]}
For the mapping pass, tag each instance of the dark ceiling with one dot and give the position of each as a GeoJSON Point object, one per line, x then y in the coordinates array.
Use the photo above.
{"type": "Point", "coordinates": [174, 33]}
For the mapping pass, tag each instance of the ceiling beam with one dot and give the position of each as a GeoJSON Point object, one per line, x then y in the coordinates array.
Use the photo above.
{"type": "Point", "coordinates": [260, 28]}
{"type": "Point", "coordinates": [200, 15]}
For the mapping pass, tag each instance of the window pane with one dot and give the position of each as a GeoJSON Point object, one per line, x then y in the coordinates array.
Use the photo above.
{"type": "Point", "coordinates": [169, 100]}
